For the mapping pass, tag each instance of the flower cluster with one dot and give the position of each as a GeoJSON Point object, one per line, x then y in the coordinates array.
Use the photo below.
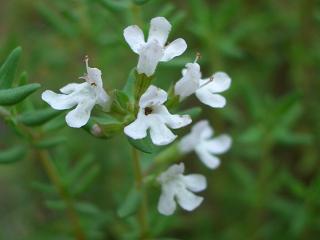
{"type": "Point", "coordinates": [147, 115]}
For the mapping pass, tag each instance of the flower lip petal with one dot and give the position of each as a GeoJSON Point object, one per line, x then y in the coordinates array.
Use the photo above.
{"type": "Point", "coordinates": [160, 134]}
{"type": "Point", "coordinates": [58, 101]}
{"type": "Point", "coordinates": [159, 30]}
{"type": "Point", "coordinates": [138, 128]}
{"type": "Point", "coordinates": [208, 159]}
{"type": "Point", "coordinates": [153, 96]}
{"type": "Point", "coordinates": [134, 37]}
{"type": "Point", "coordinates": [210, 99]}
{"type": "Point", "coordinates": [174, 49]}
{"type": "Point", "coordinates": [167, 204]}
{"type": "Point", "coordinates": [79, 116]}
{"type": "Point", "coordinates": [219, 145]}
{"type": "Point", "coordinates": [187, 200]}
{"type": "Point", "coordinates": [195, 182]}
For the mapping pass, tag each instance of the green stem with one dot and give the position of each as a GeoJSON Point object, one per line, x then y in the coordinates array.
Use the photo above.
{"type": "Point", "coordinates": [143, 210]}
{"type": "Point", "coordinates": [55, 179]}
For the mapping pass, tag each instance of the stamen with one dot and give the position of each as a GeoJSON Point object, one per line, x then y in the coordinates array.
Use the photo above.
{"type": "Point", "coordinates": [198, 56]}
{"type": "Point", "coordinates": [206, 83]}
{"type": "Point", "coordinates": [86, 60]}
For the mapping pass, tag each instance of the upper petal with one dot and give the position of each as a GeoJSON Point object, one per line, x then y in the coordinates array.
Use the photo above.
{"type": "Point", "coordinates": [153, 96]}
{"type": "Point", "coordinates": [172, 172]}
{"type": "Point", "coordinates": [221, 82]}
{"type": "Point", "coordinates": [190, 81]}
{"type": "Point", "coordinates": [138, 128]}
{"type": "Point", "coordinates": [174, 49]}
{"type": "Point", "coordinates": [210, 99]}
{"type": "Point", "coordinates": [149, 57]}
{"type": "Point", "coordinates": [195, 182]}
{"type": "Point", "coordinates": [134, 37]}
{"type": "Point", "coordinates": [103, 99]}
{"type": "Point", "coordinates": [219, 145]}
{"type": "Point", "coordinates": [159, 30]}
{"type": "Point", "coordinates": [202, 130]}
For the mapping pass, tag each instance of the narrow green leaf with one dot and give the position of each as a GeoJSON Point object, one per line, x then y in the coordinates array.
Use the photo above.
{"type": "Point", "coordinates": [38, 117]}
{"type": "Point", "coordinates": [130, 204]}
{"type": "Point", "coordinates": [79, 168]}
{"type": "Point", "coordinates": [51, 142]}
{"type": "Point", "coordinates": [129, 87]}
{"type": "Point", "coordinates": [86, 180]}
{"type": "Point", "coordinates": [145, 145]}
{"type": "Point", "coordinates": [12, 155]}
{"type": "Point", "coordinates": [14, 95]}
{"type": "Point", "coordinates": [8, 68]}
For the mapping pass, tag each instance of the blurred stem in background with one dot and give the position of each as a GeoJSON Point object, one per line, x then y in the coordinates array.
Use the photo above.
{"type": "Point", "coordinates": [54, 177]}
{"type": "Point", "coordinates": [143, 208]}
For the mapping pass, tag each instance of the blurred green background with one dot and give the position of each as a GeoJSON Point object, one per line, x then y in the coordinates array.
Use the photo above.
{"type": "Point", "coordinates": [268, 185]}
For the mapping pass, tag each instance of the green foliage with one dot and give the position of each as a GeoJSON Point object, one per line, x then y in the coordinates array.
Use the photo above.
{"type": "Point", "coordinates": [130, 204]}
{"type": "Point", "coordinates": [15, 95]}
{"type": "Point", "coordinates": [37, 117]}
{"type": "Point", "coordinates": [270, 179]}
{"type": "Point", "coordinates": [12, 155]}
{"type": "Point", "coordinates": [8, 68]}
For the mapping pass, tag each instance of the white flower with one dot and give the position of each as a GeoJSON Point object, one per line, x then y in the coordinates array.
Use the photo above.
{"type": "Point", "coordinates": [206, 90]}
{"type": "Point", "coordinates": [155, 116]}
{"type": "Point", "coordinates": [177, 187]}
{"type": "Point", "coordinates": [155, 49]}
{"type": "Point", "coordinates": [82, 95]}
{"type": "Point", "coordinates": [200, 141]}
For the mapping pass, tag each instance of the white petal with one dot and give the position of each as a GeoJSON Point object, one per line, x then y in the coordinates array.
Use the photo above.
{"type": "Point", "coordinates": [166, 204]}
{"type": "Point", "coordinates": [187, 143]}
{"type": "Point", "coordinates": [138, 128]}
{"type": "Point", "coordinates": [219, 144]}
{"type": "Point", "coordinates": [172, 172]}
{"type": "Point", "coordinates": [174, 121]}
{"type": "Point", "coordinates": [187, 200]}
{"type": "Point", "coordinates": [190, 81]}
{"type": "Point", "coordinates": [94, 76]}
{"type": "Point", "coordinates": [153, 96]}
{"type": "Point", "coordinates": [134, 37]}
{"type": "Point", "coordinates": [79, 116]}
{"type": "Point", "coordinates": [202, 130]}
{"type": "Point", "coordinates": [159, 30]}
{"type": "Point", "coordinates": [221, 82]}
{"type": "Point", "coordinates": [208, 159]}
{"type": "Point", "coordinates": [210, 99]}
{"type": "Point", "coordinates": [58, 101]}
{"type": "Point", "coordinates": [69, 88]}
{"type": "Point", "coordinates": [195, 182]}
{"type": "Point", "coordinates": [149, 57]}
{"type": "Point", "coordinates": [160, 134]}
{"type": "Point", "coordinates": [174, 49]}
